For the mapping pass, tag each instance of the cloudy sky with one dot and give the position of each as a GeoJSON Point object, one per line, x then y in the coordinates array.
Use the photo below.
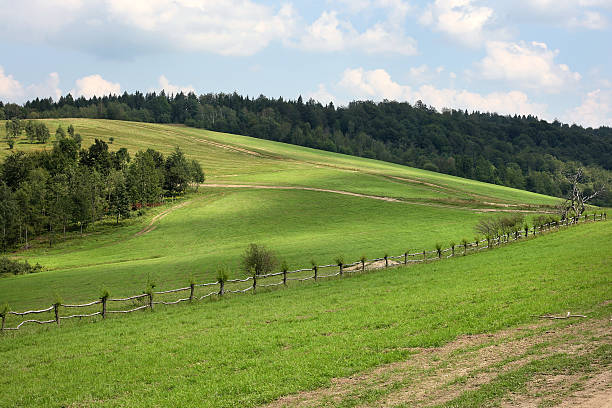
{"type": "Point", "coordinates": [551, 58]}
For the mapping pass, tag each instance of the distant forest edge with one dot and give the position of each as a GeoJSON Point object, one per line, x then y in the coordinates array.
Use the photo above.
{"type": "Point", "coordinates": [516, 151]}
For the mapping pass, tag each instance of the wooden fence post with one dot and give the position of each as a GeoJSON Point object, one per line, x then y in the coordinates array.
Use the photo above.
{"type": "Point", "coordinates": [285, 277]}
{"type": "Point", "coordinates": [3, 317]}
{"type": "Point", "coordinates": [405, 258]}
{"type": "Point", "coordinates": [103, 299]}
{"type": "Point", "coordinates": [151, 300]}
{"type": "Point", "coordinates": [593, 216]}
{"type": "Point", "coordinates": [191, 290]}
{"type": "Point", "coordinates": [254, 282]}
{"type": "Point", "coordinates": [221, 284]}
{"type": "Point", "coordinates": [341, 271]}
{"type": "Point", "coordinates": [362, 265]}
{"type": "Point", "coordinates": [424, 255]}
{"type": "Point", "coordinates": [386, 261]}
{"type": "Point", "coordinates": [56, 310]}
{"type": "Point", "coordinates": [315, 269]}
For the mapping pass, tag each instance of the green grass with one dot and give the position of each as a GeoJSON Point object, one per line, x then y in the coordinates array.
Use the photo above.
{"type": "Point", "coordinates": [218, 225]}
{"type": "Point", "coordinates": [280, 163]}
{"type": "Point", "coordinates": [247, 350]}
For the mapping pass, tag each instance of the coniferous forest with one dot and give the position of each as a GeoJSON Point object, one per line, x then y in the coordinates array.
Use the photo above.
{"type": "Point", "coordinates": [517, 151]}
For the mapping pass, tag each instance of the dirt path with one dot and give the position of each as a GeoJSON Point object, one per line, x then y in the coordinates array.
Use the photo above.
{"type": "Point", "coordinates": [324, 190]}
{"type": "Point", "coordinates": [373, 197]}
{"type": "Point", "coordinates": [439, 375]}
{"type": "Point", "coordinates": [159, 216]}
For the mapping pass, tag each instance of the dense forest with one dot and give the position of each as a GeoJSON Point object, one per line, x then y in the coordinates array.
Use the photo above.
{"type": "Point", "coordinates": [516, 151]}
{"type": "Point", "coordinates": [71, 187]}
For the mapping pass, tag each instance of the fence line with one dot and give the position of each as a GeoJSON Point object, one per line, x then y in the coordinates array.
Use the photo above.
{"type": "Point", "coordinates": [358, 266]}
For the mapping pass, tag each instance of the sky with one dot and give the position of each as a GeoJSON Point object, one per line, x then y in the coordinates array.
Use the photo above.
{"type": "Point", "coordinates": [550, 58]}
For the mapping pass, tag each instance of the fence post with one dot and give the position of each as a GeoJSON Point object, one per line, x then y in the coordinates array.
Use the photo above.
{"type": "Point", "coordinates": [221, 284]}
{"type": "Point", "coordinates": [386, 261]}
{"type": "Point", "coordinates": [3, 317]}
{"type": "Point", "coordinates": [315, 269]}
{"type": "Point", "coordinates": [406, 258]}
{"type": "Point", "coordinates": [285, 277]}
{"type": "Point", "coordinates": [593, 217]}
{"type": "Point", "coordinates": [191, 289]}
{"type": "Point", "coordinates": [56, 310]}
{"type": "Point", "coordinates": [341, 271]}
{"type": "Point", "coordinates": [151, 300]}
{"type": "Point", "coordinates": [254, 282]}
{"type": "Point", "coordinates": [103, 299]}
{"type": "Point", "coordinates": [424, 255]}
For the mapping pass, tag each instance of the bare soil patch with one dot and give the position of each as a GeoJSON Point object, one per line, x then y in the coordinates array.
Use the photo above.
{"type": "Point", "coordinates": [438, 375]}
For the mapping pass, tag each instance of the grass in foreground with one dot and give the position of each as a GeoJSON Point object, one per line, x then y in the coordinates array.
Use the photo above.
{"type": "Point", "coordinates": [216, 227]}
{"type": "Point", "coordinates": [250, 350]}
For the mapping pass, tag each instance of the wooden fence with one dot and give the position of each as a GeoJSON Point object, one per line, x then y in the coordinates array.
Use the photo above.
{"type": "Point", "coordinates": [105, 306]}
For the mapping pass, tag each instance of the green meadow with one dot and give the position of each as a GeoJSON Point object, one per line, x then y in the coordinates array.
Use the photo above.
{"type": "Point", "coordinates": [248, 350]}
{"type": "Point", "coordinates": [216, 224]}
{"type": "Point", "coordinates": [251, 349]}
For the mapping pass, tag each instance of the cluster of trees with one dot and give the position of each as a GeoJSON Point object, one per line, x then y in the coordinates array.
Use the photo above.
{"type": "Point", "coordinates": [71, 187]}
{"type": "Point", "coordinates": [517, 151]}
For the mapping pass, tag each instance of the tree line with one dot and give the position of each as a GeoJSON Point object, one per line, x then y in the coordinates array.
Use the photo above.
{"type": "Point", "coordinates": [71, 187]}
{"type": "Point", "coordinates": [517, 151]}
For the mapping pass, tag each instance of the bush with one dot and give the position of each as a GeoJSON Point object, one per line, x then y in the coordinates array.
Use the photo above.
{"type": "Point", "coordinates": [258, 259]}
{"type": "Point", "coordinates": [12, 267]}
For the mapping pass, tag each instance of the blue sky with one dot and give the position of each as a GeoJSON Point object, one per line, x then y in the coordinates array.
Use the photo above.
{"type": "Point", "coordinates": [551, 58]}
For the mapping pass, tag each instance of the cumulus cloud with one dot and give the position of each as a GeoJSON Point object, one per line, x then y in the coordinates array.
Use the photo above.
{"type": "Point", "coordinates": [461, 20]}
{"type": "Point", "coordinates": [95, 85]}
{"type": "Point", "coordinates": [168, 88]}
{"type": "Point", "coordinates": [378, 85]}
{"type": "Point", "coordinates": [528, 64]}
{"type": "Point", "coordinates": [230, 27]}
{"type": "Point", "coordinates": [11, 90]}
{"type": "Point", "coordinates": [322, 95]}
{"type": "Point", "coordinates": [595, 110]}
{"type": "Point", "coordinates": [329, 33]}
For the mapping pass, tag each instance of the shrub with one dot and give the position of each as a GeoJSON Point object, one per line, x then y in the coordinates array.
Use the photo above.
{"type": "Point", "coordinates": [258, 259]}
{"type": "Point", "coordinates": [222, 273]}
{"type": "Point", "coordinates": [13, 267]}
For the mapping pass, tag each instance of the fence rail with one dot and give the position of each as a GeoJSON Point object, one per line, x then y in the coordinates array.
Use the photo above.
{"type": "Point", "coordinates": [251, 283]}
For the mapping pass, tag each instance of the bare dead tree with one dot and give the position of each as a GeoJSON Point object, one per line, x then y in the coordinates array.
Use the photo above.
{"type": "Point", "coordinates": [575, 202]}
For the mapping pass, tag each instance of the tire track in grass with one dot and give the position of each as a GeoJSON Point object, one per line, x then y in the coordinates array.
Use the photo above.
{"type": "Point", "coordinates": [152, 225]}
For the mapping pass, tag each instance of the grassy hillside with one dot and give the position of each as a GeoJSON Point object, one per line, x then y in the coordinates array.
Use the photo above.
{"type": "Point", "coordinates": [248, 350]}
{"type": "Point", "coordinates": [407, 209]}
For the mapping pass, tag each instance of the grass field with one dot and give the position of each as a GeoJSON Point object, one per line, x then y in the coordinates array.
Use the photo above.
{"type": "Point", "coordinates": [216, 224]}
{"type": "Point", "coordinates": [249, 350]}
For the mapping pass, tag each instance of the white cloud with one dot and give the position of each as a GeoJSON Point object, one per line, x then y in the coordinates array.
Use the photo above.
{"type": "Point", "coordinates": [10, 88]}
{"type": "Point", "coordinates": [461, 20]}
{"type": "Point", "coordinates": [595, 110]}
{"type": "Point", "coordinates": [231, 27]}
{"type": "Point", "coordinates": [322, 95]}
{"type": "Point", "coordinates": [590, 19]}
{"type": "Point", "coordinates": [171, 89]}
{"type": "Point", "coordinates": [328, 34]}
{"type": "Point", "coordinates": [568, 13]}
{"type": "Point", "coordinates": [118, 27]}
{"type": "Point", "coordinates": [530, 65]}
{"type": "Point", "coordinates": [49, 88]}
{"type": "Point", "coordinates": [423, 73]}
{"type": "Point", "coordinates": [378, 85]}
{"type": "Point", "coordinates": [95, 85]}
